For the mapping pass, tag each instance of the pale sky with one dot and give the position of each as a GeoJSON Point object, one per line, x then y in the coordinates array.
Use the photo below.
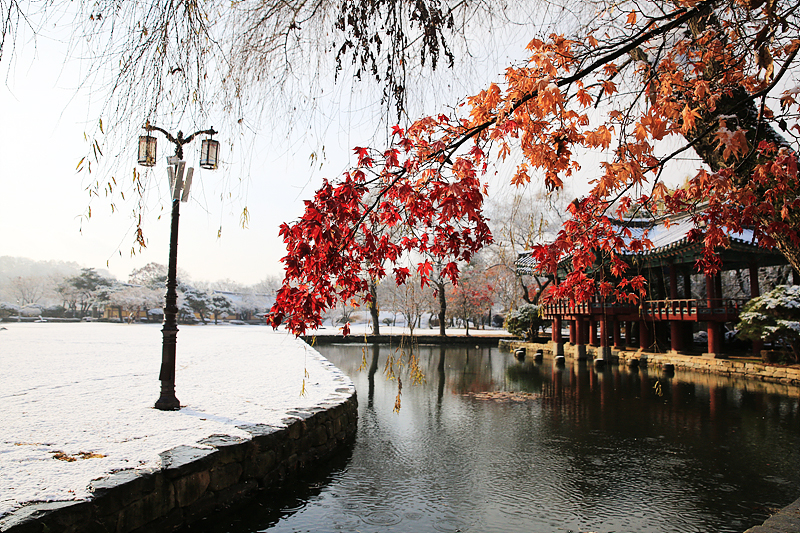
{"type": "Point", "coordinates": [43, 198]}
{"type": "Point", "coordinates": [44, 117]}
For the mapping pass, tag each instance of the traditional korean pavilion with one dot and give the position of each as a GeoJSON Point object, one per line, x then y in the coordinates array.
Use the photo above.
{"type": "Point", "coordinates": [667, 317]}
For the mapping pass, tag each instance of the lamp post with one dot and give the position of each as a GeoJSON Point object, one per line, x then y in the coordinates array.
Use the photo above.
{"type": "Point", "coordinates": [179, 188]}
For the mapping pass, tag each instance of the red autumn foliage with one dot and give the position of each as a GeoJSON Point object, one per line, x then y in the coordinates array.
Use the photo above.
{"type": "Point", "coordinates": [704, 72]}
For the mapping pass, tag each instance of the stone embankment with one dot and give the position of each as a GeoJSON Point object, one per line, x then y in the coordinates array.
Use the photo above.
{"type": "Point", "coordinates": [476, 339]}
{"type": "Point", "coordinates": [193, 482]}
{"type": "Point", "coordinates": [787, 375]}
{"type": "Point", "coordinates": [787, 520]}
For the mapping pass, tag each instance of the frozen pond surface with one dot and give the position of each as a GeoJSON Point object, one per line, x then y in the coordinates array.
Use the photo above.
{"type": "Point", "coordinates": [584, 451]}
{"type": "Point", "coordinates": [76, 400]}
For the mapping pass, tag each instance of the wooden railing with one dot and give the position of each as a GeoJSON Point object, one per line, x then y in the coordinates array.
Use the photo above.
{"type": "Point", "coordinates": [694, 307]}
{"type": "Point", "coordinates": [665, 309]}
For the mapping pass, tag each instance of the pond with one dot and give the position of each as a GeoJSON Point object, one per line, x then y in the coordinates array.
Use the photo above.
{"type": "Point", "coordinates": [573, 449]}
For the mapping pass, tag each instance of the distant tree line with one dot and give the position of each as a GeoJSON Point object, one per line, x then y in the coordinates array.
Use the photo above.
{"type": "Point", "coordinates": [92, 293]}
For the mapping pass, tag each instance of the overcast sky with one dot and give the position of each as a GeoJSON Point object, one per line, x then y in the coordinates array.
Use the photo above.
{"type": "Point", "coordinates": [44, 202]}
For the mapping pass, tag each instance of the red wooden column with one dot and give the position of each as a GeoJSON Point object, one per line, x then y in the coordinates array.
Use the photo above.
{"type": "Point", "coordinates": [558, 345]}
{"type": "Point", "coordinates": [604, 349]}
{"type": "Point", "coordinates": [644, 335]}
{"type": "Point", "coordinates": [713, 328]}
{"type": "Point", "coordinates": [556, 327]}
{"type": "Point", "coordinates": [688, 328]}
{"type": "Point", "coordinates": [573, 332]}
{"type": "Point", "coordinates": [593, 332]}
{"type": "Point", "coordinates": [675, 326]}
{"type": "Point", "coordinates": [629, 333]}
{"type": "Point", "coordinates": [617, 332]}
{"type": "Point", "coordinates": [581, 327]}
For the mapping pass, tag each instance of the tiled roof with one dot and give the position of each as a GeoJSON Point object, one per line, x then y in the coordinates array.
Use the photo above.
{"type": "Point", "coordinates": [666, 240]}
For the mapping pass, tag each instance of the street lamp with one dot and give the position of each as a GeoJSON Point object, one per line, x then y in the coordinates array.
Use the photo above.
{"type": "Point", "coordinates": [179, 188]}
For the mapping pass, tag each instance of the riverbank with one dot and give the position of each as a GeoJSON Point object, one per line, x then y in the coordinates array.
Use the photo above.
{"type": "Point", "coordinates": [396, 335]}
{"type": "Point", "coordinates": [787, 520]}
{"type": "Point", "coordinates": [83, 449]}
{"type": "Point", "coordinates": [734, 367]}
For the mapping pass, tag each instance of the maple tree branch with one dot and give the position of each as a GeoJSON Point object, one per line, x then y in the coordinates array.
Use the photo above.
{"type": "Point", "coordinates": [351, 234]}
{"type": "Point", "coordinates": [643, 37]}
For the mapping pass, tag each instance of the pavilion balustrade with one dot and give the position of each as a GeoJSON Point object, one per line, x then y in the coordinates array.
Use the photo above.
{"type": "Point", "coordinates": [667, 309]}
{"type": "Point", "coordinates": [586, 318]}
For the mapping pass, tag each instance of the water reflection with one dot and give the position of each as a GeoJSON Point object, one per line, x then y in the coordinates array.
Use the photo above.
{"type": "Point", "coordinates": [613, 449]}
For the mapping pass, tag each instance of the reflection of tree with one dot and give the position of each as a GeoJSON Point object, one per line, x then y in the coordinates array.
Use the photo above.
{"type": "Point", "coordinates": [373, 367]}
{"type": "Point", "coordinates": [605, 437]}
{"type": "Point", "coordinates": [472, 377]}
{"type": "Point", "coordinates": [527, 376]}
{"type": "Point", "coordinates": [440, 371]}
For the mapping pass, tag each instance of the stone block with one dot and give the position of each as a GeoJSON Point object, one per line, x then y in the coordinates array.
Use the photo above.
{"type": "Point", "coordinates": [153, 506]}
{"type": "Point", "coordinates": [224, 476]}
{"type": "Point", "coordinates": [117, 490]}
{"type": "Point", "coordinates": [230, 449]}
{"type": "Point", "coordinates": [202, 506]}
{"type": "Point", "coordinates": [237, 492]}
{"type": "Point", "coordinates": [259, 430]}
{"type": "Point", "coordinates": [171, 522]}
{"type": "Point", "coordinates": [784, 521]}
{"type": "Point", "coordinates": [291, 463]}
{"type": "Point", "coordinates": [257, 466]}
{"type": "Point", "coordinates": [296, 429]}
{"type": "Point", "coordinates": [320, 436]}
{"type": "Point", "coordinates": [189, 489]}
{"type": "Point", "coordinates": [764, 529]}
{"type": "Point", "coordinates": [183, 460]}
{"type": "Point", "coordinates": [56, 516]}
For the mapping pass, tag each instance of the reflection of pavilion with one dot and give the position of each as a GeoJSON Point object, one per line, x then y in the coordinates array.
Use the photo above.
{"type": "Point", "coordinates": [667, 317]}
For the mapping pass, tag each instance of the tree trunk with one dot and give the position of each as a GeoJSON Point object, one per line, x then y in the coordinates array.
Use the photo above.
{"type": "Point", "coordinates": [746, 115]}
{"type": "Point", "coordinates": [742, 112]}
{"type": "Point", "coordinates": [525, 295]}
{"type": "Point", "coordinates": [373, 307]}
{"type": "Point", "coordinates": [442, 307]}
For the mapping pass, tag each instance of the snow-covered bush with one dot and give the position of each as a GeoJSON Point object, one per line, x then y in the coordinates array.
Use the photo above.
{"type": "Point", "coordinates": [774, 317]}
{"type": "Point", "coordinates": [525, 321]}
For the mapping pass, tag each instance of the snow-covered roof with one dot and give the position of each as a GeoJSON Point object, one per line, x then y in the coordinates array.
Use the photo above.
{"type": "Point", "coordinates": [668, 233]}
{"type": "Point", "coordinates": [669, 238]}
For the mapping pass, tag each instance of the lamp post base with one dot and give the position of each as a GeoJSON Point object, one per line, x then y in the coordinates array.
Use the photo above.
{"type": "Point", "coordinates": [167, 401]}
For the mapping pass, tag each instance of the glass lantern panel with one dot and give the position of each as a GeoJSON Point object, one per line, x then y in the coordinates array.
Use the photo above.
{"type": "Point", "coordinates": [147, 150]}
{"type": "Point", "coordinates": [209, 153]}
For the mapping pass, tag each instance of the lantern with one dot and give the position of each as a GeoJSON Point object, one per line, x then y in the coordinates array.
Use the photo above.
{"type": "Point", "coordinates": [147, 150]}
{"type": "Point", "coordinates": [209, 154]}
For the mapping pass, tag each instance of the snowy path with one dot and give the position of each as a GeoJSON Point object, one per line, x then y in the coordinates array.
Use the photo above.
{"type": "Point", "coordinates": [76, 400]}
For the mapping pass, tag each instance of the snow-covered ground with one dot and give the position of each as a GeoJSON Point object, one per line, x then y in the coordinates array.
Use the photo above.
{"type": "Point", "coordinates": [76, 400]}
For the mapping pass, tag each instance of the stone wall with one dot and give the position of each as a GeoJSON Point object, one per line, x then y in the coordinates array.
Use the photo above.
{"type": "Point", "coordinates": [195, 481]}
{"type": "Point", "coordinates": [787, 375]}
{"type": "Point", "coordinates": [787, 520]}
